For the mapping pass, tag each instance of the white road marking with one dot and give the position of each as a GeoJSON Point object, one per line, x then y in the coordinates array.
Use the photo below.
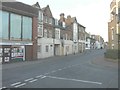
{"type": "Point", "coordinates": [53, 71]}
{"type": "Point", "coordinates": [20, 85]}
{"type": "Point", "coordinates": [39, 76]}
{"type": "Point", "coordinates": [28, 79]}
{"type": "Point", "coordinates": [43, 77]}
{"type": "Point", "coordinates": [3, 88]}
{"type": "Point", "coordinates": [33, 80]}
{"type": "Point", "coordinates": [59, 69]}
{"type": "Point", "coordinates": [15, 83]}
{"type": "Point", "coordinates": [75, 80]}
{"type": "Point", "coordinates": [46, 73]}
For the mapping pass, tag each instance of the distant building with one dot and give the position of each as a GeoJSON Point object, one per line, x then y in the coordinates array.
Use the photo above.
{"type": "Point", "coordinates": [81, 38]}
{"type": "Point", "coordinates": [88, 40]}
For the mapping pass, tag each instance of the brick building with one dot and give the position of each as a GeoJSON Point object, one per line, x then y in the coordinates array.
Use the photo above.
{"type": "Point", "coordinates": [114, 30]}
{"type": "Point", "coordinates": [18, 32]}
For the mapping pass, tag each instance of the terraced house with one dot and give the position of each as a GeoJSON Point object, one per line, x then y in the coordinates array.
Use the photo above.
{"type": "Point", "coordinates": [18, 32]}
{"type": "Point", "coordinates": [66, 36]}
{"type": "Point", "coordinates": [114, 30]}
{"type": "Point", "coordinates": [45, 32]}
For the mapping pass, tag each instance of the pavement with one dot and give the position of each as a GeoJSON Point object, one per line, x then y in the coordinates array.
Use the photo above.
{"type": "Point", "coordinates": [101, 60]}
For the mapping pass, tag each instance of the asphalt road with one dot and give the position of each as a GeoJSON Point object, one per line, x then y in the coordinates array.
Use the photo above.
{"type": "Point", "coordinates": [72, 71]}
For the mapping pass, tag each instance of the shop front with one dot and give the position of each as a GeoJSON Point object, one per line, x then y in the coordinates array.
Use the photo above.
{"type": "Point", "coordinates": [12, 53]}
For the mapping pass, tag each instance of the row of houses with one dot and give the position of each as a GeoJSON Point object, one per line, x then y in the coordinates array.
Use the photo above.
{"type": "Point", "coordinates": [31, 32]}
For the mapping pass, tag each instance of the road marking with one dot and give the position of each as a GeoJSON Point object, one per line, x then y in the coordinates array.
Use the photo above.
{"type": "Point", "coordinates": [43, 77]}
{"type": "Point", "coordinates": [15, 83]}
{"type": "Point", "coordinates": [59, 69]}
{"type": "Point", "coordinates": [33, 80]}
{"type": "Point", "coordinates": [3, 88]}
{"type": "Point", "coordinates": [75, 80]}
{"type": "Point", "coordinates": [39, 76]}
{"type": "Point", "coordinates": [20, 85]}
{"type": "Point", "coordinates": [53, 71]}
{"type": "Point", "coordinates": [28, 79]}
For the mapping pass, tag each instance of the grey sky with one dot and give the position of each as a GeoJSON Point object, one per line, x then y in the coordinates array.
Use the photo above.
{"type": "Point", "coordinates": [93, 14]}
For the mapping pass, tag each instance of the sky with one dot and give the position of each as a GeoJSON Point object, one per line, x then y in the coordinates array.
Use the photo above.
{"type": "Point", "coordinates": [93, 14]}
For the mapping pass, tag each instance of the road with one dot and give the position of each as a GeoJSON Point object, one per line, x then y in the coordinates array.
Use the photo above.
{"type": "Point", "coordinates": [72, 71]}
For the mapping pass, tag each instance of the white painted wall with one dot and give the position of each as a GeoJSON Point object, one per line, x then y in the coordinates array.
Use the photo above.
{"type": "Point", "coordinates": [68, 43]}
{"type": "Point", "coordinates": [88, 43]}
{"type": "Point", "coordinates": [43, 42]}
{"type": "Point", "coordinates": [97, 44]}
{"type": "Point", "coordinates": [82, 44]}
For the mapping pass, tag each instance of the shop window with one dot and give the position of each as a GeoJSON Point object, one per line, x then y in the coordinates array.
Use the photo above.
{"type": "Point", "coordinates": [15, 27]}
{"type": "Point", "coordinates": [5, 25]}
{"type": "Point", "coordinates": [27, 28]}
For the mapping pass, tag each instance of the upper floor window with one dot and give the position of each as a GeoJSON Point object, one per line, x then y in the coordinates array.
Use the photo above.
{"type": "Point", "coordinates": [27, 28]}
{"type": "Point", "coordinates": [50, 20]}
{"type": "Point", "coordinates": [57, 34]}
{"type": "Point", "coordinates": [64, 24]}
{"type": "Point", "coordinates": [5, 25]}
{"type": "Point", "coordinates": [56, 22]}
{"type": "Point", "coordinates": [112, 34]}
{"type": "Point", "coordinates": [49, 33]}
{"type": "Point", "coordinates": [40, 18]}
{"type": "Point", "coordinates": [66, 36]}
{"type": "Point", "coordinates": [15, 27]}
{"type": "Point", "coordinates": [45, 19]}
{"type": "Point", "coordinates": [45, 33]}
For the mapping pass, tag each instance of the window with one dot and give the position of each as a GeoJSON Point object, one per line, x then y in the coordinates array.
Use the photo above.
{"type": "Point", "coordinates": [86, 45]}
{"type": "Point", "coordinates": [47, 48]}
{"type": "Point", "coordinates": [27, 28]}
{"type": "Point", "coordinates": [75, 32]}
{"type": "Point", "coordinates": [45, 33]}
{"type": "Point", "coordinates": [39, 48]}
{"type": "Point", "coordinates": [40, 18]}
{"type": "Point", "coordinates": [112, 34]}
{"type": "Point", "coordinates": [64, 24]}
{"type": "Point", "coordinates": [66, 36]}
{"type": "Point", "coordinates": [49, 34]}
{"type": "Point", "coordinates": [50, 20]}
{"type": "Point", "coordinates": [56, 22]}
{"type": "Point", "coordinates": [5, 25]}
{"type": "Point", "coordinates": [57, 34]}
{"type": "Point", "coordinates": [45, 19]}
{"type": "Point", "coordinates": [40, 30]}
{"type": "Point", "coordinates": [15, 27]}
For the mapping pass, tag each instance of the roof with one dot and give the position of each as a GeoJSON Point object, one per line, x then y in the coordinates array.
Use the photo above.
{"type": "Point", "coordinates": [46, 11]}
{"type": "Point", "coordinates": [20, 8]}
